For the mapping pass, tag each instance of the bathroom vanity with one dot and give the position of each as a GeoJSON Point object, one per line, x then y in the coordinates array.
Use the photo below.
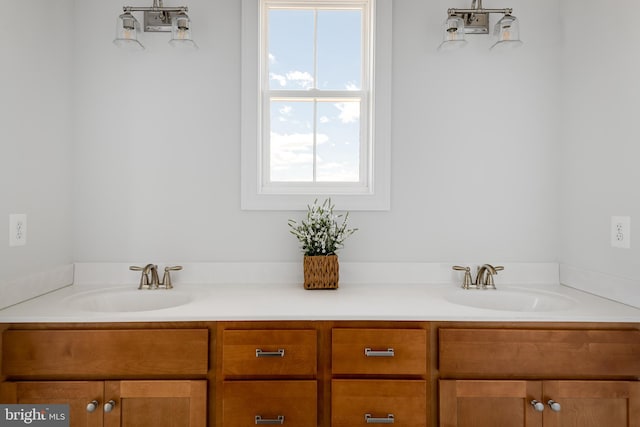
{"type": "Point", "coordinates": [243, 356]}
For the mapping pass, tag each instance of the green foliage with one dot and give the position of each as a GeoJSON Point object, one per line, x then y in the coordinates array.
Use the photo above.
{"type": "Point", "coordinates": [320, 233]}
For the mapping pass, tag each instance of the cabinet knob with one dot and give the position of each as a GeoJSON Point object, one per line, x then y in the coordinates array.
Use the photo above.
{"type": "Point", "coordinates": [108, 407]}
{"type": "Point", "coordinates": [538, 406]}
{"type": "Point", "coordinates": [555, 406]}
{"type": "Point", "coordinates": [92, 406]}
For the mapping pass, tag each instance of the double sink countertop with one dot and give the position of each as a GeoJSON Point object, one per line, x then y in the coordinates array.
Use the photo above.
{"type": "Point", "coordinates": [374, 296]}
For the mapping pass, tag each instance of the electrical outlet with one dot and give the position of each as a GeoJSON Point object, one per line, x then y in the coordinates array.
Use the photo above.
{"type": "Point", "coordinates": [621, 232]}
{"type": "Point", "coordinates": [17, 229]}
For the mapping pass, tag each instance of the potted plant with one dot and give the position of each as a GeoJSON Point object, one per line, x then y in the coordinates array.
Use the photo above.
{"type": "Point", "coordinates": [321, 235]}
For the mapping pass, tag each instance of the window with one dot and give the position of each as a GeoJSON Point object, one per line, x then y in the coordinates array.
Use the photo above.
{"type": "Point", "coordinates": [315, 103]}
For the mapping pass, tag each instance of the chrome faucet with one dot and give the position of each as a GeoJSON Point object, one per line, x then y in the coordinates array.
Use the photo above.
{"type": "Point", "coordinates": [149, 278]}
{"type": "Point", "coordinates": [484, 276]}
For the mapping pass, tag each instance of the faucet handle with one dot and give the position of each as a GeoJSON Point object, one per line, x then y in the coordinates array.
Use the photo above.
{"type": "Point", "coordinates": [488, 278]}
{"type": "Point", "coordinates": [166, 279]}
{"type": "Point", "coordinates": [467, 281]}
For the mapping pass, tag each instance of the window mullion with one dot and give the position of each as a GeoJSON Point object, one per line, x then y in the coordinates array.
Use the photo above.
{"type": "Point", "coordinates": [315, 100]}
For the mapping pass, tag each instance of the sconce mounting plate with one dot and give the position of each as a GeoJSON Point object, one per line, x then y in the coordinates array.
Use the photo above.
{"type": "Point", "coordinates": [158, 21]}
{"type": "Point", "coordinates": [476, 23]}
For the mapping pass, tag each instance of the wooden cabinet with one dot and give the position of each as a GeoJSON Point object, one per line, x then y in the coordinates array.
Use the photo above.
{"type": "Point", "coordinates": [380, 352]}
{"type": "Point", "coordinates": [111, 377]}
{"type": "Point", "coordinates": [398, 402]}
{"type": "Point", "coordinates": [592, 403]}
{"type": "Point", "coordinates": [77, 394]}
{"type": "Point", "coordinates": [484, 403]}
{"type": "Point", "coordinates": [269, 353]}
{"type": "Point", "coordinates": [568, 378]}
{"type": "Point", "coordinates": [480, 403]}
{"type": "Point", "coordinates": [270, 402]}
{"type": "Point", "coordinates": [379, 377]}
{"type": "Point", "coordinates": [269, 377]}
{"type": "Point", "coordinates": [178, 403]}
{"type": "Point", "coordinates": [329, 373]}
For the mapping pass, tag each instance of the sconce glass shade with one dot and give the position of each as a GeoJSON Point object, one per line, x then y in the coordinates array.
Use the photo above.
{"type": "Point", "coordinates": [181, 32]}
{"type": "Point", "coordinates": [127, 30]}
{"type": "Point", "coordinates": [507, 30]}
{"type": "Point", "coordinates": [453, 33]}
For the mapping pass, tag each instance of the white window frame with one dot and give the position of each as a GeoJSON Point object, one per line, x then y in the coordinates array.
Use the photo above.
{"type": "Point", "coordinates": [373, 192]}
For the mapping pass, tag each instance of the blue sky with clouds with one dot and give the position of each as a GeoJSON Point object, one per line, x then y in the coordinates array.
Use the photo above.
{"type": "Point", "coordinates": [333, 62]}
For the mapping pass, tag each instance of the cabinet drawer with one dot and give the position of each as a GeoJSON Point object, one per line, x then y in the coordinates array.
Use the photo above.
{"type": "Point", "coordinates": [403, 400]}
{"type": "Point", "coordinates": [122, 353]}
{"type": "Point", "coordinates": [525, 353]}
{"type": "Point", "coordinates": [269, 353]}
{"type": "Point", "coordinates": [391, 351]}
{"type": "Point", "coordinates": [294, 401]}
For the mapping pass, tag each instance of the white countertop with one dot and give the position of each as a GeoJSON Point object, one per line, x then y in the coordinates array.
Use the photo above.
{"type": "Point", "coordinates": [352, 301]}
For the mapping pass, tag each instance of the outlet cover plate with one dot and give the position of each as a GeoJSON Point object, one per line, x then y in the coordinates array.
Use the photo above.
{"type": "Point", "coordinates": [17, 229]}
{"type": "Point", "coordinates": [621, 232]}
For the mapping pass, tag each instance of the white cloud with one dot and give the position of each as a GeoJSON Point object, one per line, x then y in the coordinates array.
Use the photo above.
{"type": "Point", "coordinates": [324, 119]}
{"type": "Point", "coordinates": [286, 110]}
{"type": "Point", "coordinates": [349, 111]}
{"type": "Point", "coordinates": [272, 58]}
{"type": "Point", "coordinates": [279, 78]}
{"type": "Point", "coordinates": [293, 149]}
{"type": "Point", "coordinates": [351, 86]}
{"type": "Point", "coordinates": [301, 78]}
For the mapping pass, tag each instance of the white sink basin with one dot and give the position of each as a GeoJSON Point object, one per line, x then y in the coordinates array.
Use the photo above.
{"type": "Point", "coordinates": [511, 299]}
{"type": "Point", "coordinates": [127, 300]}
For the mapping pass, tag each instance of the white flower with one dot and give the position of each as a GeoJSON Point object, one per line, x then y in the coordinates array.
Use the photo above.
{"type": "Point", "coordinates": [320, 233]}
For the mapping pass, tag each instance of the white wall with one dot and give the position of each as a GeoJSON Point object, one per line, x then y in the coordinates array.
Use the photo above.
{"type": "Point", "coordinates": [474, 156]}
{"type": "Point", "coordinates": [600, 154]}
{"type": "Point", "coordinates": [36, 136]}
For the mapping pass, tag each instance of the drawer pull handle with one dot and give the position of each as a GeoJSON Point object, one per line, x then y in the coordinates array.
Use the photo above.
{"type": "Point", "coordinates": [108, 407]}
{"type": "Point", "coordinates": [390, 419]}
{"type": "Point", "coordinates": [555, 406]}
{"type": "Point", "coordinates": [379, 353]}
{"type": "Point", "coordinates": [279, 353]}
{"type": "Point", "coordinates": [278, 420]}
{"type": "Point", "coordinates": [92, 406]}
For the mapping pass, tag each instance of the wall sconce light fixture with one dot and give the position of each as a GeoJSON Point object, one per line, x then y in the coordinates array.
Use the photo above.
{"type": "Point", "coordinates": [475, 20]}
{"type": "Point", "coordinates": [157, 18]}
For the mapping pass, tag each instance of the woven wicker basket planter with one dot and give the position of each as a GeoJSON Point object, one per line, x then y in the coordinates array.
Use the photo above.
{"type": "Point", "coordinates": [321, 272]}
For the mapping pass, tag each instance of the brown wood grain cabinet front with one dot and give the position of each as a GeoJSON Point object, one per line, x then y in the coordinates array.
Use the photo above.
{"type": "Point", "coordinates": [127, 372]}
{"type": "Point", "coordinates": [539, 378]}
{"type": "Point", "coordinates": [269, 353]}
{"type": "Point", "coordinates": [379, 352]}
{"type": "Point", "coordinates": [283, 402]}
{"type": "Point", "coordinates": [108, 353]}
{"type": "Point", "coordinates": [269, 376]}
{"type": "Point", "coordinates": [379, 376]}
{"type": "Point", "coordinates": [358, 402]}
{"type": "Point", "coordinates": [328, 373]}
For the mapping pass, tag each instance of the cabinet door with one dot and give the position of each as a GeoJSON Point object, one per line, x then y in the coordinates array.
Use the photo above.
{"type": "Point", "coordinates": [592, 403]}
{"type": "Point", "coordinates": [76, 394]}
{"type": "Point", "coordinates": [156, 403]}
{"type": "Point", "coordinates": [489, 403]}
